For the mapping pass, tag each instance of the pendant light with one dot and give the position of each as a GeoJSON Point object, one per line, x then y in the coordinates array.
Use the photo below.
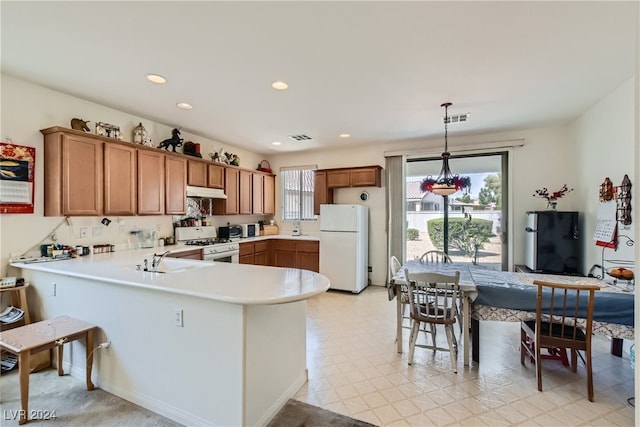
{"type": "Point", "coordinates": [446, 184]}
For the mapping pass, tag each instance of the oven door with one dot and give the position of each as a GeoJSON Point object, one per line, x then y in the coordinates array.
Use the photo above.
{"type": "Point", "coordinates": [228, 256]}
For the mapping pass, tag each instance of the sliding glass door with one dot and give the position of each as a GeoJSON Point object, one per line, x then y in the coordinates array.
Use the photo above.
{"type": "Point", "coordinates": [475, 219]}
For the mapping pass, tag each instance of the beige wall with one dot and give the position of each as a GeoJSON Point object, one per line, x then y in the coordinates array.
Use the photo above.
{"type": "Point", "coordinates": [604, 141]}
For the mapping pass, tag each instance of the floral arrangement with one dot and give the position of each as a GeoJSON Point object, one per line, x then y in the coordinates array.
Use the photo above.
{"type": "Point", "coordinates": [552, 197]}
{"type": "Point", "coordinates": [459, 182]}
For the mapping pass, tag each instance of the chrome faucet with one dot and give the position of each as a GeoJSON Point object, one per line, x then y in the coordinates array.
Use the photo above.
{"type": "Point", "coordinates": [155, 262]}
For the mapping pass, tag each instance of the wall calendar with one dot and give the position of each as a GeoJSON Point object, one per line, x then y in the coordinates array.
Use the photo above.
{"type": "Point", "coordinates": [17, 172]}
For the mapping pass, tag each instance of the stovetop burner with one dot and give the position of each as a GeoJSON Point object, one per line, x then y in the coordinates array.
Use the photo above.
{"type": "Point", "coordinates": [207, 242]}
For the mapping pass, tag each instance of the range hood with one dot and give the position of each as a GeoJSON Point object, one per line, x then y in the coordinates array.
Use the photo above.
{"type": "Point", "coordinates": [205, 193]}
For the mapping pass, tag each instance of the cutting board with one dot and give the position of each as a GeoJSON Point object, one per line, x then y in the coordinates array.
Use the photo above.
{"type": "Point", "coordinates": [270, 230]}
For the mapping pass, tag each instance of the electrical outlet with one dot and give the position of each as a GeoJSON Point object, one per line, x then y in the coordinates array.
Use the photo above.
{"type": "Point", "coordinates": [179, 319]}
{"type": "Point", "coordinates": [121, 230]}
{"type": "Point", "coordinates": [53, 289]}
{"type": "Point", "coordinates": [157, 227]}
{"type": "Point", "coordinates": [371, 269]}
{"type": "Point", "coordinates": [83, 232]}
{"type": "Point", "coordinates": [97, 231]}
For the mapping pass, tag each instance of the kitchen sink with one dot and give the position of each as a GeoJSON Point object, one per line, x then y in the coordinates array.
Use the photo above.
{"type": "Point", "coordinates": [168, 266]}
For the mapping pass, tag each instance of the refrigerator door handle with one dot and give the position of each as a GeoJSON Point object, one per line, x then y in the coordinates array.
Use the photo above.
{"type": "Point", "coordinates": [530, 230]}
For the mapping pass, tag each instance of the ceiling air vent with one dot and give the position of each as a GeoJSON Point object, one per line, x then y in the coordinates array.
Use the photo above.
{"type": "Point", "coordinates": [300, 137]}
{"type": "Point", "coordinates": [460, 118]}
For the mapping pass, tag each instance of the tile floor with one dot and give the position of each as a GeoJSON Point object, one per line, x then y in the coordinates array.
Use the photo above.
{"type": "Point", "coordinates": [354, 370]}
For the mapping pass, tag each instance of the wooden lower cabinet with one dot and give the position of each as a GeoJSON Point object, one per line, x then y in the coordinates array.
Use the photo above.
{"type": "Point", "coordinates": [281, 253]}
{"type": "Point", "coordinates": [190, 254]}
{"type": "Point", "coordinates": [254, 253]}
{"type": "Point", "coordinates": [307, 255]}
{"type": "Point", "coordinates": [261, 253]}
{"type": "Point", "coordinates": [284, 253]}
{"type": "Point", "coordinates": [246, 253]}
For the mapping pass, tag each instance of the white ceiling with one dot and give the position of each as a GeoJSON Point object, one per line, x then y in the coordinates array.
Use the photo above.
{"type": "Point", "coordinates": [376, 70]}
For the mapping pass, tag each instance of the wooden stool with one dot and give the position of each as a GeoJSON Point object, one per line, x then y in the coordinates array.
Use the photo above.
{"type": "Point", "coordinates": [36, 337]}
{"type": "Point", "coordinates": [19, 299]}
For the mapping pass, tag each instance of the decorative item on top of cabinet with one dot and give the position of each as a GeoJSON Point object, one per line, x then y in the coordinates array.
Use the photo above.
{"type": "Point", "coordinates": [173, 142]}
{"type": "Point", "coordinates": [140, 135]}
{"type": "Point", "coordinates": [264, 166]}
{"type": "Point", "coordinates": [108, 130]}
{"type": "Point", "coordinates": [79, 124]}
{"type": "Point", "coordinates": [192, 149]}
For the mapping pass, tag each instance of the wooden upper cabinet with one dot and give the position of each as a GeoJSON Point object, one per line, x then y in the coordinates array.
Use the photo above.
{"type": "Point", "coordinates": [258, 194]}
{"type": "Point", "coordinates": [245, 192]}
{"type": "Point", "coordinates": [366, 176]}
{"type": "Point", "coordinates": [326, 180]}
{"type": "Point", "coordinates": [196, 173]}
{"type": "Point", "coordinates": [203, 174]}
{"type": "Point", "coordinates": [73, 173]}
{"type": "Point", "coordinates": [321, 194]}
{"type": "Point", "coordinates": [228, 206]}
{"type": "Point", "coordinates": [215, 176]}
{"type": "Point", "coordinates": [150, 183]}
{"type": "Point", "coordinates": [338, 178]}
{"type": "Point", "coordinates": [175, 185]}
{"type": "Point", "coordinates": [120, 177]}
{"type": "Point", "coordinates": [269, 195]}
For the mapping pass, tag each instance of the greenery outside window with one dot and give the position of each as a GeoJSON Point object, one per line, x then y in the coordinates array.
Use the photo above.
{"type": "Point", "coordinates": [297, 193]}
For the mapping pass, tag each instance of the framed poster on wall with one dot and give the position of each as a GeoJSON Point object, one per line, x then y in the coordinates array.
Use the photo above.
{"type": "Point", "coordinates": [17, 173]}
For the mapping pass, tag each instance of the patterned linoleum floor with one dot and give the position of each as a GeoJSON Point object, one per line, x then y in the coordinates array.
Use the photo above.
{"type": "Point", "coordinates": [354, 370]}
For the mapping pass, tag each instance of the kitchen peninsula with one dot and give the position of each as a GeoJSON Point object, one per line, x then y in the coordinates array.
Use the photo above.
{"type": "Point", "coordinates": [202, 343]}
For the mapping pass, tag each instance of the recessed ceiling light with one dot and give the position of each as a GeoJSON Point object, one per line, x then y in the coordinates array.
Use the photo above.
{"type": "Point", "coordinates": [156, 78]}
{"type": "Point", "coordinates": [345, 135]}
{"type": "Point", "coordinates": [184, 105]}
{"type": "Point", "coordinates": [279, 85]}
{"type": "Point", "coordinates": [276, 143]}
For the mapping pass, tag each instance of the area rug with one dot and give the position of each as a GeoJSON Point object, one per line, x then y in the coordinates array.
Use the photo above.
{"type": "Point", "coordinates": [300, 414]}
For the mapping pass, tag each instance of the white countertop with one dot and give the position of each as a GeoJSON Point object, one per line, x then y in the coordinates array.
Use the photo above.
{"type": "Point", "coordinates": [233, 283]}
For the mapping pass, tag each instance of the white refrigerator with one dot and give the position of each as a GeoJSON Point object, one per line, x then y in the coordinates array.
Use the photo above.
{"type": "Point", "coordinates": [344, 246]}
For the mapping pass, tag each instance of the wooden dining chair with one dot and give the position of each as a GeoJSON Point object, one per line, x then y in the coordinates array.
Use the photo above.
{"type": "Point", "coordinates": [443, 293]}
{"type": "Point", "coordinates": [564, 317]}
{"type": "Point", "coordinates": [435, 256]}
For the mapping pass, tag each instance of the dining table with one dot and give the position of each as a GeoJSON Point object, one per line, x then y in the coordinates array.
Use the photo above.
{"type": "Point", "coordinates": [510, 296]}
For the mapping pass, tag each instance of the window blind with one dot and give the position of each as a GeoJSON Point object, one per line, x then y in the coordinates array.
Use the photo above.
{"type": "Point", "coordinates": [297, 193]}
